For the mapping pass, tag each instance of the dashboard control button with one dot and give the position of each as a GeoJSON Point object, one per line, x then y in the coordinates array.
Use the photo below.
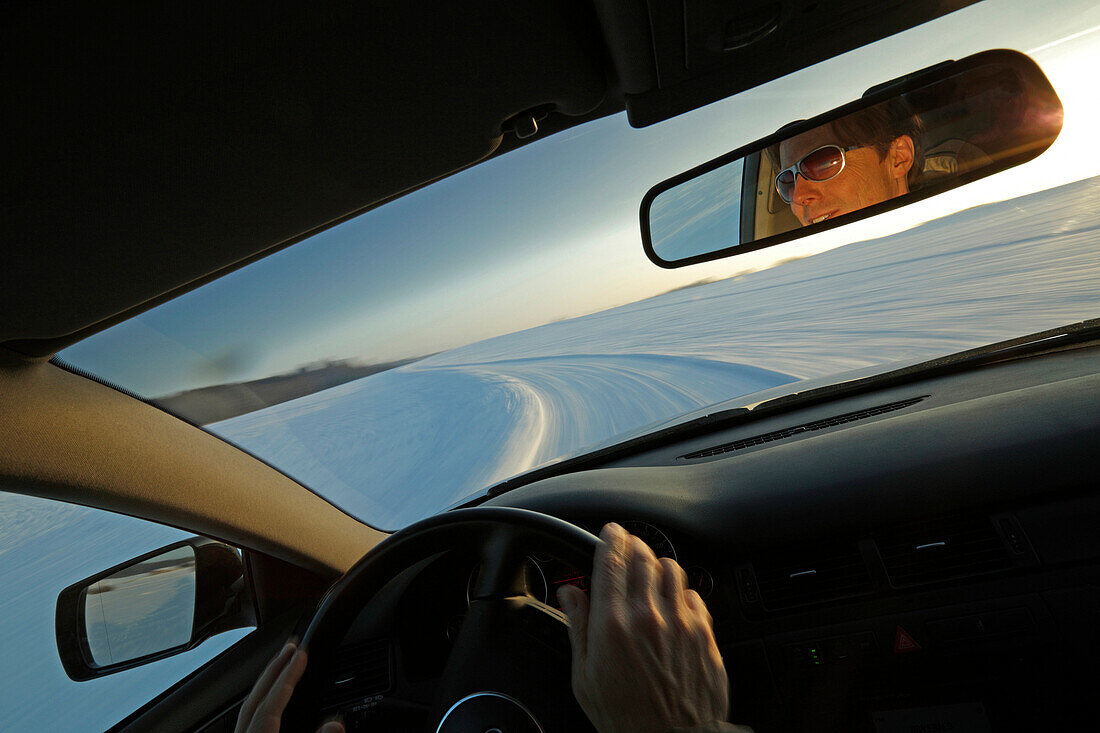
{"type": "Point", "coordinates": [904, 642]}
{"type": "Point", "coordinates": [980, 625]}
{"type": "Point", "coordinates": [746, 585]}
{"type": "Point", "coordinates": [864, 643]}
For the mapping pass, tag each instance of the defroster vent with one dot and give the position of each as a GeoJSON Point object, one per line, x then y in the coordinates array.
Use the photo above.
{"type": "Point", "coordinates": [803, 428]}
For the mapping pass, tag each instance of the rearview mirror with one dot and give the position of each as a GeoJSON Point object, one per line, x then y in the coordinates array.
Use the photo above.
{"type": "Point", "coordinates": [904, 141]}
{"type": "Point", "coordinates": [154, 606]}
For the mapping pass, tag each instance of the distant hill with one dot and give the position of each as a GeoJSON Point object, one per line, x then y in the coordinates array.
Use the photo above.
{"type": "Point", "coordinates": [218, 402]}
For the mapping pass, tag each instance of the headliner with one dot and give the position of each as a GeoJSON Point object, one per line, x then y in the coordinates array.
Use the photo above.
{"type": "Point", "coordinates": [156, 148]}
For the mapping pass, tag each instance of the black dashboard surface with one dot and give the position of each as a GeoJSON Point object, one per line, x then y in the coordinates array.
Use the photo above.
{"type": "Point", "coordinates": [1007, 431]}
{"type": "Point", "coordinates": [998, 464]}
{"type": "Point", "coordinates": [919, 556]}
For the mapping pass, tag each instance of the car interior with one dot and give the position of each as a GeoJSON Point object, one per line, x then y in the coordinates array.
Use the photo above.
{"type": "Point", "coordinates": [921, 541]}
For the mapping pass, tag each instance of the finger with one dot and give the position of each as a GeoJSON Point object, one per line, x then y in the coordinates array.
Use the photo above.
{"type": "Point", "coordinates": [575, 605]}
{"type": "Point", "coordinates": [695, 603]}
{"type": "Point", "coordinates": [707, 641]}
{"type": "Point", "coordinates": [673, 584]}
{"type": "Point", "coordinates": [275, 702]}
{"type": "Point", "coordinates": [644, 577]}
{"type": "Point", "coordinates": [259, 690]}
{"type": "Point", "coordinates": [609, 571]}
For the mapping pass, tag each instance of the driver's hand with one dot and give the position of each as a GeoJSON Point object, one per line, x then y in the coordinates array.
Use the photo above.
{"type": "Point", "coordinates": [262, 710]}
{"type": "Point", "coordinates": [644, 655]}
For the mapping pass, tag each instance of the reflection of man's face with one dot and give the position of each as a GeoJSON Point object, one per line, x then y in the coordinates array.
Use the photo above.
{"type": "Point", "coordinates": [865, 180]}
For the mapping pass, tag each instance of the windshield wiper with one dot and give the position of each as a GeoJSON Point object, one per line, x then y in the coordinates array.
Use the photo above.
{"type": "Point", "coordinates": [1017, 348]}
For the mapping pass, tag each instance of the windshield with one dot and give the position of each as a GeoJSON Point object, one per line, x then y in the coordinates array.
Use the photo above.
{"type": "Point", "coordinates": [506, 316]}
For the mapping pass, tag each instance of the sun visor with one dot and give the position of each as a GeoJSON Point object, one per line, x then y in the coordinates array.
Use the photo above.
{"type": "Point", "coordinates": [153, 147]}
{"type": "Point", "coordinates": [706, 50]}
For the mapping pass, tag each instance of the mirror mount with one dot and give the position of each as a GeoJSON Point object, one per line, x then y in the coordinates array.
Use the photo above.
{"type": "Point", "coordinates": [906, 81]}
{"type": "Point", "coordinates": [210, 572]}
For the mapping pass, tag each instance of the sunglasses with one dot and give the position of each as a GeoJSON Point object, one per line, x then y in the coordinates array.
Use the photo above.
{"type": "Point", "coordinates": [818, 165]}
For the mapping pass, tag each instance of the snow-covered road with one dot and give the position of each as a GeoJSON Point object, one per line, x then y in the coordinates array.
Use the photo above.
{"type": "Point", "coordinates": [443, 431]}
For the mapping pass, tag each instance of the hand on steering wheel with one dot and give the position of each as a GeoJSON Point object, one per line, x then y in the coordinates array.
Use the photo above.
{"type": "Point", "coordinates": [262, 710]}
{"type": "Point", "coordinates": [644, 655]}
{"type": "Point", "coordinates": [643, 658]}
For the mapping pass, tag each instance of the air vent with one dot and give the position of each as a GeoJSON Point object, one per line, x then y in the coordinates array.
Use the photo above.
{"type": "Point", "coordinates": [812, 575]}
{"type": "Point", "coordinates": [361, 671]}
{"type": "Point", "coordinates": [804, 428]}
{"type": "Point", "coordinates": [942, 549]}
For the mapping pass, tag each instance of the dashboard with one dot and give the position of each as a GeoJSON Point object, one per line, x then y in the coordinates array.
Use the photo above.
{"type": "Point", "coordinates": [921, 557]}
{"type": "Point", "coordinates": [544, 574]}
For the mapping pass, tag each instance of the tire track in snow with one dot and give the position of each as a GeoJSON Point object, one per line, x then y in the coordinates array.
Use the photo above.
{"type": "Point", "coordinates": [397, 445]}
{"type": "Point", "coordinates": [573, 402]}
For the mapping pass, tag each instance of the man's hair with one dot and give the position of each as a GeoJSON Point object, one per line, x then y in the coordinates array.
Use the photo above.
{"type": "Point", "coordinates": [874, 127]}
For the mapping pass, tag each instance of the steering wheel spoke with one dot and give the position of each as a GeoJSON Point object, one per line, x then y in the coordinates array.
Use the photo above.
{"type": "Point", "coordinates": [501, 560]}
{"type": "Point", "coordinates": [517, 648]}
{"type": "Point", "coordinates": [509, 667]}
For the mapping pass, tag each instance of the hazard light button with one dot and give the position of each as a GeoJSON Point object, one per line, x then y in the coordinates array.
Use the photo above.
{"type": "Point", "coordinates": [903, 642]}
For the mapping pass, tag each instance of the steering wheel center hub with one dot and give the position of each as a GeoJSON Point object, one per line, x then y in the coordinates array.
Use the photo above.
{"type": "Point", "coordinates": [489, 712]}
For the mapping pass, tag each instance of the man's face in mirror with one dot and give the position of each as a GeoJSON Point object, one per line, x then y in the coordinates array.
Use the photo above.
{"type": "Point", "coordinates": [867, 178]}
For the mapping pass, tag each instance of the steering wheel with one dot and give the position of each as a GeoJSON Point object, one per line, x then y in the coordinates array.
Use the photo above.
{"type": "Point", "coordinates": [509, 668]}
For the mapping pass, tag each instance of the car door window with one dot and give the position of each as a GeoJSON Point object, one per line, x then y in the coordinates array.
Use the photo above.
{"type": "Point", "coordinates": [46, 546]}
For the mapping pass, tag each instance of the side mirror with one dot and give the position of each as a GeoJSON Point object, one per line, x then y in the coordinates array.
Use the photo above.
{"type": "Point", "coordinates": [904, 141]}
{"type": "Point", "coordinates": [154, 606]}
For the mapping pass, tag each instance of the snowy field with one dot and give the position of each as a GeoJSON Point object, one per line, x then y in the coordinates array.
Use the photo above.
{"type": "Point", "coordinates": [399, 445]}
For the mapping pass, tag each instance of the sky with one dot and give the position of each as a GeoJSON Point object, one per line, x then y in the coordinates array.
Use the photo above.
{"type": "Point", "coordinates": [550, 231]}
{"type": "Point", "coordinates": [689, 218]}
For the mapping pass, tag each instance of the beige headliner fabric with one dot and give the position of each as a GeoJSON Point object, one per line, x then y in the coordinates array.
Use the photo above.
{"type": "Point", "coordinates": [70, 438]}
